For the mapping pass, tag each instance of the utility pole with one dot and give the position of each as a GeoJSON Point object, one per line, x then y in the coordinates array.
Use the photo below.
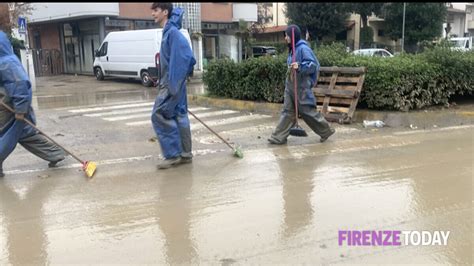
{"type": "Point", "coordinates": [403, 27]}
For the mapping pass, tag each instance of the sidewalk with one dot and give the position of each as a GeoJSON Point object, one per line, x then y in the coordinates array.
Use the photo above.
{"type": "Point", "coordinates": [461, 114]}
{"type": "Point", "coordinates": [436, 116]}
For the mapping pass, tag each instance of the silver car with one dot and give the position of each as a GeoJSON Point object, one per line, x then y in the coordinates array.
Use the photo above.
{"type": "Point", "coordinates": [373, 52]}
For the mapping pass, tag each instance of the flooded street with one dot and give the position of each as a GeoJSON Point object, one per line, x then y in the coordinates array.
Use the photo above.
{"type": "Point", "coordinates": [277, 205]}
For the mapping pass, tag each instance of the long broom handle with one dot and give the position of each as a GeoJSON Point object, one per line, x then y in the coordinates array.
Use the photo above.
{"type": "Point", "coordinates": [33, 125]}
{"type": "Point", "coordinates": [295, 83]}
{"type": "Point", "coordinates": [211, 130]}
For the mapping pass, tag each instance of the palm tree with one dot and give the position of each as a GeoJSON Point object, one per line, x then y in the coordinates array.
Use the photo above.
{"type": "Point", "coordinates": [245, 34]}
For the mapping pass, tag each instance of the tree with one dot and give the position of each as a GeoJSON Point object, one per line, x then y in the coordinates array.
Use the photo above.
{"type": "Point", "coordinates": [245, 34]}
{"type": "Point", "coordinates": [9, 13]}
{"type": "Point", "coordinates": [320, 19]}
{"type": "Point", "coordinates": [423, 21]}
{"type": "Point", "coordinates": [365, 10]}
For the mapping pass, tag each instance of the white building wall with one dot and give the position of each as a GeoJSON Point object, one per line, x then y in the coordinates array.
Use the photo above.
{"type": "Point", "coordinates": [247, 12]}
{"type": "Point", "coordinates": [228, 45]}
{"type": "Point", "coordinates": [51, 11]}
{"type": "Point", "coordinates": [279, 18]}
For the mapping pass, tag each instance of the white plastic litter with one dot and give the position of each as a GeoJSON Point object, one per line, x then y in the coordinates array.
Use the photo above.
{"type": "Point", "coordinates": [374, 123]}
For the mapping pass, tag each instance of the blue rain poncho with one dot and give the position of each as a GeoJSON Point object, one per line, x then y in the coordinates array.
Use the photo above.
{"type": "Point", "coordinates": [306, 73]}
{"type": "Point", "coordinates": [170, 109]}
{"type": "Point", "coordinates": [15, 91]}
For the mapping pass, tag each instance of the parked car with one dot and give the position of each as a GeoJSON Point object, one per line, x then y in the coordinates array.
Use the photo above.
{"type": "Point", "coordinates": [462, 43]}
{"type": "Point", "coordinates": [373, 52]}
{"type": "Point", "coordinates": [258, 51]}
{"type": "Point", "coordinates": [131, 54]}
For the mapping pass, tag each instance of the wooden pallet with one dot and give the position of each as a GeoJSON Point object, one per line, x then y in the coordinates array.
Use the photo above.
{"type": "Point", "coordinates": [337, 92]}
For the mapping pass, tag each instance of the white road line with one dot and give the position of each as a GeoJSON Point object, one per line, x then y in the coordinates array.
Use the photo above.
{"type": "Point", "coordinates": [209, 123]}
{"type": "Point", "coordinates": [101, 105]}
{"type": "Point", "coordinates": [215, 113]}
{"type": "Point", "coordinates": [139, 110]}
{"type": "Point", "coordinates": [433, 130]}
{"type": "Point", "coordinates": [112, 161]}
{"type": "Point", "coordinates": [120, 112]}
{"type": "Point", "coordinates": [53, 96]}
{"type": "Point", "coordinates": [257, 155]}
{"type": "Point", "coordinates": [226, 121]}
{"type": "Point", "coordinates": [139, 123]}
{"type": "Point", "coordinates": [84, 110]}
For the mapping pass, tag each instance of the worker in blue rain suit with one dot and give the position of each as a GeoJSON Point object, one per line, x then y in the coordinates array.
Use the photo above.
{"type": "Point", "coordinates": [170, 112]}
{"type": "Point", "coordinates": [15, 91]}
{"type": "Point", "coordinates": [307, 68]}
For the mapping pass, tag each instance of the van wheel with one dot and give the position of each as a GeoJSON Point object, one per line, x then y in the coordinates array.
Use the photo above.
{"type": "Point", "coordinates": [98, 73]}
{"type": "Point", "coordinates": [146, 79]}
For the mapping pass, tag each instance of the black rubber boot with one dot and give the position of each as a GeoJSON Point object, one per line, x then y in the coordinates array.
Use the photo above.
{"type": "Point", "coordinates": [323, 139]}
{"type": "Point", "coordinates": [54, 164]}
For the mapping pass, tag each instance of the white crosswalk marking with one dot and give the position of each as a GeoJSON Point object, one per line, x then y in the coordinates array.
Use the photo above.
{"type": "Point", "coordinates": [139, 110]}
{"type": "Point", "coordinates": [120, 112]}
{"type": "Point", "coordinates": [220, 122]}
{"type": "Point", "coordinates": [119, 118]}
{"type": "Point", "coordinates": [201, 115]}
{"type": "Point", "coordinates": [136, 114]}
{"type": "Point", "coordinates": [85, 110]}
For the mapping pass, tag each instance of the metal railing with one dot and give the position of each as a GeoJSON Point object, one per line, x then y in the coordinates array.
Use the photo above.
{"type": "Point", "coordinates": [47, 62]}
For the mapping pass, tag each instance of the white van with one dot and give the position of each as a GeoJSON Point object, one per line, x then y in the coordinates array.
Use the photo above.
{"type": "Point", "coordinates": [131, 54]}
{"type": "Point", "coordinates": [462, 43]}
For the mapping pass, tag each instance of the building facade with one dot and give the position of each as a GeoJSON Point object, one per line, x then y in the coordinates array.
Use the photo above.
{"type": "Point", "coordinates": [460, 20]}
{"type": "Point", "coordinates": [220, 29]}
{"type": "Point", "coordinates": [76, 30]}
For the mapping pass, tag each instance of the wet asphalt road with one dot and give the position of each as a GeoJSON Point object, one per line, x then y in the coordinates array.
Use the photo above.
{"type": "Point", "coordinates": [279, 204]}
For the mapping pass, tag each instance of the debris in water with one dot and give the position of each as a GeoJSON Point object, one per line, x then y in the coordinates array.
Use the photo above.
{"type": "Point", "coordinates": [374, 123]}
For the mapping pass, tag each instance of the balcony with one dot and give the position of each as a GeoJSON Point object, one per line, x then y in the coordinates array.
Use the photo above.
{"type": "Point", "coordinates": [247, 12]}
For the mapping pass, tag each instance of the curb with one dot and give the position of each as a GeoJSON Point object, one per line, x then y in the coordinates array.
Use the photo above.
{"type": "Point", "coordinates": [250, 106]}
{"type": "Point", "coordinates": [421, 118]}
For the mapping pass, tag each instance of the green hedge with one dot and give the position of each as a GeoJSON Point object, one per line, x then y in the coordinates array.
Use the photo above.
{"type": "Point", "coordinates": [399, 83]}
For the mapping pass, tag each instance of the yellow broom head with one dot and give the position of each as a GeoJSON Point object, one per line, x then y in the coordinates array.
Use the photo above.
{"type": "Point", "coordinates": [89, 168]}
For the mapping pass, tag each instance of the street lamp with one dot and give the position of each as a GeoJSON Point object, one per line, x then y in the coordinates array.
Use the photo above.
{"type": "Point", "coordinates": [403, 28]}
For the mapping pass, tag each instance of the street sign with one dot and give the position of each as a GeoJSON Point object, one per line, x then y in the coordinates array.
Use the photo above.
{"type": "Point", "coordinates": [21, 25]}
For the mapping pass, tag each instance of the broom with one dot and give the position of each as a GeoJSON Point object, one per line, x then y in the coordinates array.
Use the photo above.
{"type": "Point", "coordinates": [296, 131]}
{"type": "Point", "coordinates": [236, 150]}
{"type": "Point", "coordinates": [89, 167]}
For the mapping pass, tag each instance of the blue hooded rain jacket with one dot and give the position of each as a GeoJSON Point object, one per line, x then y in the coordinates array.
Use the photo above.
{"type": "Point", "coordinates": [15, 91]}
{"type": "Point", "coordinates": [170, 109]}
{"type": "Point", "coordinates": [306, 74]}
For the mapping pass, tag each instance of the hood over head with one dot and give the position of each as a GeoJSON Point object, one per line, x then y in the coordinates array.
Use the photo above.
{"type": "Point", "coordinates": [5, 45]}
{"type": "Point", "coordinates": [177, 17]}
{"type": "Point", "coordinates": [297, 32]}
